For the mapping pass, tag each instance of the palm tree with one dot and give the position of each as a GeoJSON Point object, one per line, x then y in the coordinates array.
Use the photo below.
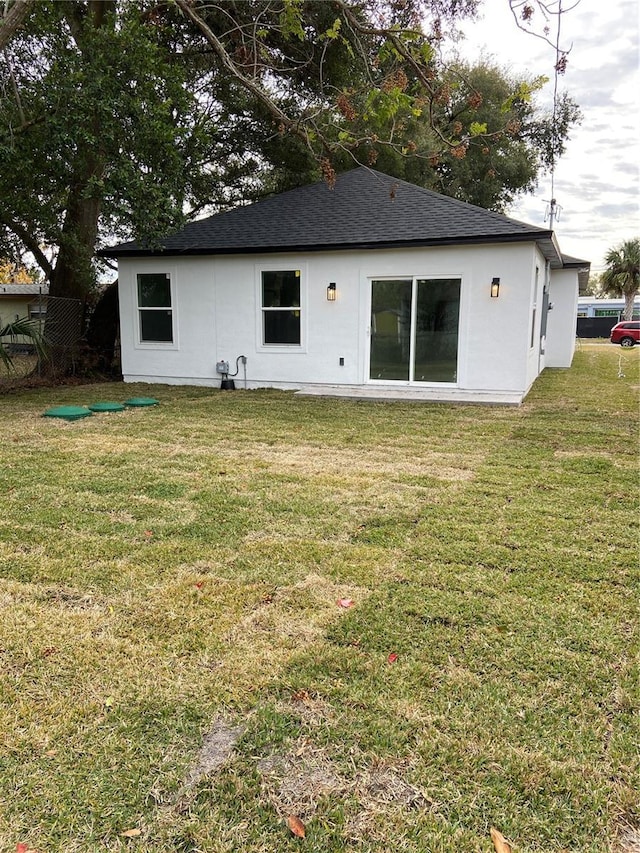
{"type": "Point", "coordinates": [622, 275]}
{"type": "Point", "coordinates": [16, 332]}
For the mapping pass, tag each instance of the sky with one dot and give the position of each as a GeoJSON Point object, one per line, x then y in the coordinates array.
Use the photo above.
{"type": "Point", "coordinates": [597, 181]}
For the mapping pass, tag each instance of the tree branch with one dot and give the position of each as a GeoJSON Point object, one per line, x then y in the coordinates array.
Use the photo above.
{"type": "Point", "coordinates": [29, 242]}
{"type": "Point", "coordinates": [400, 46]}
{"type": "Point", "coordinates": [13, 20]}
{"type": "Point", "coordinates": [522, 11]}
{"type": "Point", "coordinates": [250, 85]}
{"type": "Point", "coordinates": [16, 90]}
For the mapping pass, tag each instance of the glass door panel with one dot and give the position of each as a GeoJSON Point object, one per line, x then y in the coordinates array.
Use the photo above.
{"type": "Point", "coordinates": [436, 330]}
{"type": "Point", "coordinates": [390, 329]}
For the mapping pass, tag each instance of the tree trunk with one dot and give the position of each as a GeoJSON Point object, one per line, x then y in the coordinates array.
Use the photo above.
{"type": "Point", "coordinates": [629, 298]}
{"type": "Point", "coordinates": [73, 278]}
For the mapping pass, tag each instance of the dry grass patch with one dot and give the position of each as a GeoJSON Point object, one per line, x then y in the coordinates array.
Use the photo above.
{"type": "Point", "coordinates": [295, 782]}
{"type": "Point", "coordinates": [381, 462]}
{"type": "Point", "coordinates": [217, 748]}
{"type": "Point", "coordinates": [303, 779]}
{"type": "Point", "coordinates": [385, 797]}
{"type": "Point", "coordinates": [627, 839]}
{"type": "Point", "coordinates": [286, 620]}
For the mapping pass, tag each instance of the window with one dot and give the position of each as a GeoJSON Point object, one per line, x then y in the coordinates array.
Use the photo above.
{"type": "Point", "coordinates": [37, 311]}
{"type": "Point", "coordinates": [154, 308]}
{"type": "Point", "coordinates": [281, 307]}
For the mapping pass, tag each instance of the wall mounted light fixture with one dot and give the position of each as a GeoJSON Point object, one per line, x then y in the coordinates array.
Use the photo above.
{"type": "Point", "coordinates": [495, 287]}
{"type": "Point", "coordinates": [331, 292]}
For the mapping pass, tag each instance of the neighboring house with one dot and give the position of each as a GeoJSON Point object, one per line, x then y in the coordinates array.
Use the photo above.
{"type": "Point", "coordinates": [376, 287]}
{"type": "Point", "coordinates": [18, 301]}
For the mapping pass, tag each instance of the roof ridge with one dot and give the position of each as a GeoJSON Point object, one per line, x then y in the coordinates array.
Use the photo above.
{"type": "Point", "coordinates": [458, 201]}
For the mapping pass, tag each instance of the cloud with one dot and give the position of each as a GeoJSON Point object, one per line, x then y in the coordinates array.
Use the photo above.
{"type": "Point", "coordinates": [624, 211]}
{"type": "Point", "coordinates": [625, 168]}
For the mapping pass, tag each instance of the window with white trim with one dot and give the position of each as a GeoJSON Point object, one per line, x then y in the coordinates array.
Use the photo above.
{"type": "Point", "coordinates": [280, 305]}
{"type": "Point", "coordinates": [155, 310]}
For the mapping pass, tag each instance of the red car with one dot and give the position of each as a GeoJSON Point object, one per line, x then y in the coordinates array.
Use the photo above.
{"type": "Point", "coordinates": [626, 333]}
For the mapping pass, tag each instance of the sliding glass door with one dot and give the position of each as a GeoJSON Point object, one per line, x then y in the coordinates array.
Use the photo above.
{"type": "Point", "coordinates": [414, 329]}
{"type": "Point", "coordinates": [437, 311]}
{"type": "Point", "coordinates": [390, 329]}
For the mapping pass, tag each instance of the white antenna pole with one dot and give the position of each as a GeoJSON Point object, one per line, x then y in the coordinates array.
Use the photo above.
{"type": "Point", "coordinates": [553, 208]}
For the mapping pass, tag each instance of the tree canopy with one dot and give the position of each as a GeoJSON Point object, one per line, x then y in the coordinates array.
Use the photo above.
{"type": "Point", "coordinates": [15, 272]}
{"type": "Point", "coordinates": [622, 274]}
{"type": "Point", "coordinates": [509, 143]}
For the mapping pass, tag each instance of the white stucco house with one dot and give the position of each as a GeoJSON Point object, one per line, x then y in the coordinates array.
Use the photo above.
{"type": "Point", "coordinates": [376, 287]}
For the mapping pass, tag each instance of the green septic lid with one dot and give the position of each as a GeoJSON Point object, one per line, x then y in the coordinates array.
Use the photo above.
{"type": "Point", "coordinates": [141, 401]}
{"type": "Point", "coordinates": [68, 413]}
{"type": "Point", "coordinates": [106, 407]}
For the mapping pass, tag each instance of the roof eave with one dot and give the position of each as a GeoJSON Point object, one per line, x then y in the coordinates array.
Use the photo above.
{"type": "Point", "coordinates": [548, 245]}
{"type": "Point", "coordinates": [545, 240]}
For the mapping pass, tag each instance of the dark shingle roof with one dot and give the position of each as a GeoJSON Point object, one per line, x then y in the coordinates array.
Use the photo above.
{"type": "Point", "coordinates": [583, 268]}
{"type": "Point", "coordinates": [569, 262]}
{"type": "Point", "coordinates": [365, 210]}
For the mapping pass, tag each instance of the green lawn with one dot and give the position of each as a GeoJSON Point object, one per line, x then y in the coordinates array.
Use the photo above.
{"type": "Point", "coordinates": [175, 665]}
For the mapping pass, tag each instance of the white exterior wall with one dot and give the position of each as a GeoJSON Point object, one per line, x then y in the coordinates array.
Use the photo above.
{"type": "Point", "coordinates": [216, 305]}
{"type": "Point", "coordinates": [11, 308]}
{"type": "Point", "coordinates": [561, 325]}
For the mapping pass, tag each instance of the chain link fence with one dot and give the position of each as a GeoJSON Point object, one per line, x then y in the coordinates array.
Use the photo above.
{"type": "Point", "coordinates": [60, 324]}
{"type": "Point", "coordinates": [63, 329]}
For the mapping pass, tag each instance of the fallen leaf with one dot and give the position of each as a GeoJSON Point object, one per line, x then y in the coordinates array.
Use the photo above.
{"type": "Point", "coordinates": [21, 847]}
{"type": "Point", "coordinates": [499, 841]}
{"type": "Point", "coordinates": [345, 602]}
{"type": "Point", "coordinates": [296, 826]}
{"type": "Point", "coordinates": [131, 833]}
{"type": "Point", "coordinates": [301, 696]}
{"type": "Point", "coordinates": [148, 533]}
{"type": "Point", "coordinates": [393, 657]}
{"type": "Point", "coordinates": [108, 702]}
{"type": "Point", "coordinates": [199, 584]}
